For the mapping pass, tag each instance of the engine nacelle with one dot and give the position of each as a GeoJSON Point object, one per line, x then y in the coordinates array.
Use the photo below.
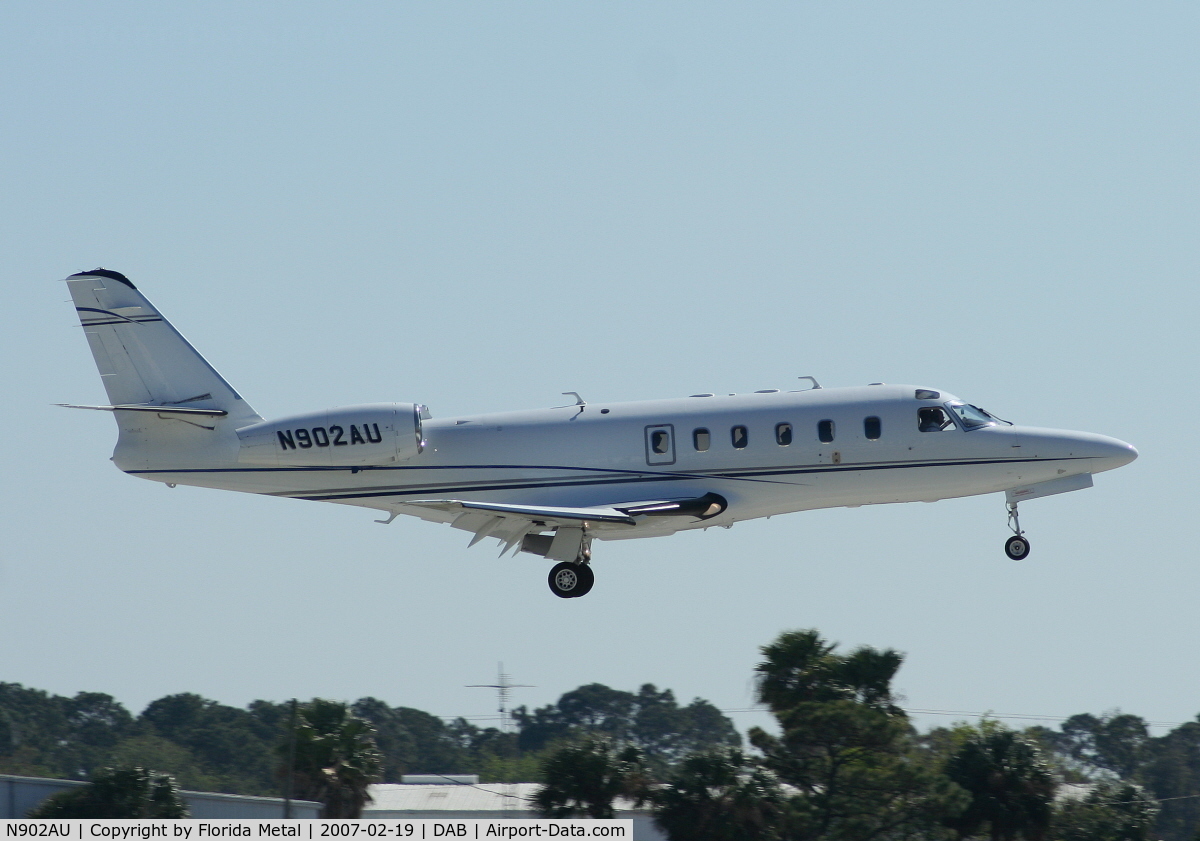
{"type": "Point", "coordinates": [372, 434]}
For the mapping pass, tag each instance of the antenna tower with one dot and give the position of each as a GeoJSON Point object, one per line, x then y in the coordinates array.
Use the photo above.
{"type": "Point", "coordinates": [504, 687]}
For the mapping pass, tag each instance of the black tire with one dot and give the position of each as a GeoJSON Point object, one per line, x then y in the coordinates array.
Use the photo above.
{"type": "Point", "coordinates": [1017, 547]}
{"type": "Point", "coordinates": [565, 580]}
{"type": "Point", "coordinates": [586, 579]}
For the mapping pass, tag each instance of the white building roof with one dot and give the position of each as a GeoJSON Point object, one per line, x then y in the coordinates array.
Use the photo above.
{"type": "Point", "coordinates": [484, 797]}
{"type": "Point", "coordinates": [485, 800]}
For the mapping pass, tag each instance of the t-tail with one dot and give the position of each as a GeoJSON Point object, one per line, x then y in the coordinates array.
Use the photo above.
{"type": "Point", "coordinates": [171, 406]}
{"type": "Point", "coordinates": [179, 418]}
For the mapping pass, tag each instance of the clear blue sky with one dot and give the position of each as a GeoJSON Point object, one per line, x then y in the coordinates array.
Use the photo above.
{"type": "Point", "coordinates": [478, 206]}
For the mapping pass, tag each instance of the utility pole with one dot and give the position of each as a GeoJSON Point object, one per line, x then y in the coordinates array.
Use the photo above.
{"type": "Point", "coordinates": [504, 687]}
{"type": "Point", "coordinates": [290, 779]}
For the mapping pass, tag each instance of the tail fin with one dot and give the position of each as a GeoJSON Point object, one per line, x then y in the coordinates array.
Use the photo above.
{"type": "Point", "coordinates": [144, 361]}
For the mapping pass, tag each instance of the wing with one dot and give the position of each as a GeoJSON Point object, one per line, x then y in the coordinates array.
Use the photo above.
{"type": "Point", "coordinates": [510, 523]}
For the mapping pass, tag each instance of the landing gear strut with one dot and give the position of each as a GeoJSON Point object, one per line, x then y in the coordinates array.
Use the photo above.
{"type": "Point", "coordinates": [1017, 546]}
{"type": "Point", "coordinates": [571, 579]}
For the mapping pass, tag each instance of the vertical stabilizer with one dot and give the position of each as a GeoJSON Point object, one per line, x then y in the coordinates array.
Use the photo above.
{"type": "Point", "coordinates": [172, 408]}
{"type": "Point", "coordinates": [142, 359]}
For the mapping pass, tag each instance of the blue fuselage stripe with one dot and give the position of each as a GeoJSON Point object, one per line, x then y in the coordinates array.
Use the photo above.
{"type": "Point", "coordinates": [626, 476]}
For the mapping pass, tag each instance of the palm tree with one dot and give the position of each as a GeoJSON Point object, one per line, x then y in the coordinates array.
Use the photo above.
{"type": "Point", "coordinates": [117, 793]}
{"type": "Point", "coordinates": [584, 779]}
{"type": "Point", "coordinates": [720, 796]}
{"type": "Point", "coordinates": [335, 758]}
{"type": "Point", "coordinates": [1011, 788]}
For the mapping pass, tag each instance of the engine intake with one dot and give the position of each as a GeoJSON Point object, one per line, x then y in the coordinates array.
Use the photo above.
{"type": "Point", "coordinates": [371, 434]}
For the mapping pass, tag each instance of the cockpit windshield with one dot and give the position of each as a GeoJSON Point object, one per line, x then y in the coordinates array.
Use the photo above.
{"type": "Point", "coordinates": [972, 417]}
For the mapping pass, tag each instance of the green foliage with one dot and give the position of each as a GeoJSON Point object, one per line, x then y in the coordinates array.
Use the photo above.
{"type": "Point", "coordinates": [149, 751]}
{"type": "Point", "coordinates": [856, 767]}
{"type": "Point", "coordinates": [845, 746]}
{"type": "Point", "coordinates": [1172, 770]}
{"type": "Point", "coordinates": [1117, 746]}
{"type": "Point", "coordinates": [393, 737]}
{"type": "Point", "coordinates": [1109, 746]}
{"type": "Point", "coordinates": [1112, 811]}
{"type": "Point", "coordinates": [335, 758]}
{"type": "Point", "coordinates": [583, 779]}
{"type": "Point", "coordinates": [1011, 788]}
{"type": "Point", "coordinates": [649, 720]}
{"type": "Point", "coordinates": [511, 769]}
{"type": "Point", "coordinates": [800, 667]}
{"type": "Point", "coordinates": [718, 796]}
{"type": "Point", "coordinates": [117, 793]}
{"type": "Point", "coordinates": [210, 746]}
{"type": "Point", "coordinates": [68, 736]}
{"type": "Point", "coordinates": [232, 745]}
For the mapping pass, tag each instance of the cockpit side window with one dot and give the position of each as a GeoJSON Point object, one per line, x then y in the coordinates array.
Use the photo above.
{"type": "Point", "coordinates": [971, 417]}
{"type": "Point", "coordinates": [933, 419]}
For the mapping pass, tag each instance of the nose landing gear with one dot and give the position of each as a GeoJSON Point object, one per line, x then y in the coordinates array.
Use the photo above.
{"type": "Point", "coordinates": [1017, 546]}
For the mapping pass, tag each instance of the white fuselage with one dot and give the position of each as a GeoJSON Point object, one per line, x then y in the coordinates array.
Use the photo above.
{"type": "Point", "coordinates": [609, 453]}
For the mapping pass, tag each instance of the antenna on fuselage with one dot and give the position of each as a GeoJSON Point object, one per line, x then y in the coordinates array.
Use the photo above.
{"type": "Point", "coordinates": [813, 380]}
{"type": "Point", "coordinates": [579, 401]}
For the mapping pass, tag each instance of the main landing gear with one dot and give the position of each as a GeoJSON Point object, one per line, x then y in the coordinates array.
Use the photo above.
{"type": "Point", "coordinates": [1017, 546]}
{"type": "Point", "coordinates": [570, 580]}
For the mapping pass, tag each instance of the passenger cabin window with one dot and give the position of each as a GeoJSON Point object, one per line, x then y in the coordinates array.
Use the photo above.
{"type": "Point", "coordinates": [932, 419]}
{"type": "Point", "coordinates": [872, 428]}
{"type": "Point", "coordinates": [700, 439]}
{"type": "Point", "coordinates": [783, 434]}
{"type": "Point", "coordinates": [740, 437]}
{"type": "Point", "coordinates": [825, 431]}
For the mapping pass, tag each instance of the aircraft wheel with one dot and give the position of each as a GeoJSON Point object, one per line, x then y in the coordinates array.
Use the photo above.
{"type": "Point", "coordinates": [586, 579]}
{"type": "Point", "coordinates": [1017, 547]}
{"type": "Point", "coordinates": [569, 581]}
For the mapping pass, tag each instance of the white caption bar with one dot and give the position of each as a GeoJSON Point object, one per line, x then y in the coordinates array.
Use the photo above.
{"type": "Point", "coordinates": [205, 830]}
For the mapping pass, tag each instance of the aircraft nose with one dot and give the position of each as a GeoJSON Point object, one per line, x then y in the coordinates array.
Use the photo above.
{"type": "Point", "coordinates": [1103, 453]}
{"type": "Point", "coordinates": [1107, 453]}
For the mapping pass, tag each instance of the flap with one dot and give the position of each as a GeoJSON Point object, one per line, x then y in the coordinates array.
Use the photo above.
{"type": "Point", "coordinates": [546, 515]}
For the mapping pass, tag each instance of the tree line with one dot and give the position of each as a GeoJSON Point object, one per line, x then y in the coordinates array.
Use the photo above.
{"type": "Point", "coordinates": [209, 746]}
{"type": "Point", "coordinates": [843, 763]}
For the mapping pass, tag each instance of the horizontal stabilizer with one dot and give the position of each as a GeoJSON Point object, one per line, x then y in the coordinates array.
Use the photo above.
{"type": "Point", "coordinates": [162, 410]}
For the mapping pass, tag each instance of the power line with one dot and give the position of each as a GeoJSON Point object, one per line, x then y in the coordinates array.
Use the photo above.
{"type": "Point", "coordinates": [910, 710]}
{"type": "Point", "coordinates": [987, 714]}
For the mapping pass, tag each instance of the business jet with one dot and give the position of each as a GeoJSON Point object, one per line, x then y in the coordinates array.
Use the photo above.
{"type": "Point", "coordinates": [550, 481]}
